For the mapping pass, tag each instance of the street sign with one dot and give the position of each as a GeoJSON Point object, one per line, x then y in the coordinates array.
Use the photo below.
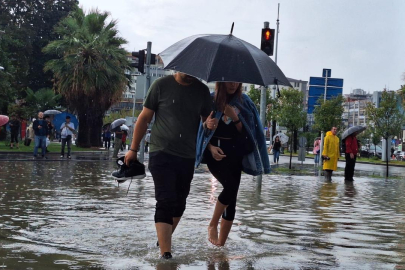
{"type": "Point", "coordinates": [302, 142]}
{"type": "Point", "coordinates": [317, 85]}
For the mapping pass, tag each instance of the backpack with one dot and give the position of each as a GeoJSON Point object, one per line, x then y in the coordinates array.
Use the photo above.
{"type": "Point", "coordinates": [343, 147]}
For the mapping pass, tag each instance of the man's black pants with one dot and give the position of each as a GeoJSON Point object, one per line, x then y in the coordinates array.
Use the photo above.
{"type": "Point", "coordinates": [349, 169]}
{"type": "Point", "coordinates": [172, 177]}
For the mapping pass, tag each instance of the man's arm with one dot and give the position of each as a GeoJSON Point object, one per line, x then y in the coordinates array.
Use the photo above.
{"type": "Point", "coordinates": [140, 129]}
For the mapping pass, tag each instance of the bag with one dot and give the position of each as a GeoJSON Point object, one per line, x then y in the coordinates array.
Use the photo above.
{"type": "Point", "coordinates": [27, 141]}
{"type": "Point", "coordinates": [245, 144]}
{"type": "Point", "coordinates": [318, 151]}
{"type": "Point", "coordinates": [48, 142]}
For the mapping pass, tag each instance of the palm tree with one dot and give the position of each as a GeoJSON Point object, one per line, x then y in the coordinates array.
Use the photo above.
{"type": "Point", "coordinates": [89, 69]}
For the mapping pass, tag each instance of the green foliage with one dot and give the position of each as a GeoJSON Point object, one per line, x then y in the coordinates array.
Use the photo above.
{"type": "Point", "coordinates": [386, 120]}
{"type": "Point", "coordinates": [329, 114]}
{"type": "Point", "coordinates": [89, 66]}
{"type": "Point", "coordinates": [289, 111]}
{"type": "Point", "coordinates": [310, 136]}
{"type": "Point", "coordinates": [28, 27]}
{"type": "Point", "coordinates": [255, 94]}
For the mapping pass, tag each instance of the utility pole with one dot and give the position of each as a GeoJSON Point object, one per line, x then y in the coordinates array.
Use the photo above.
{"type": "Point", "coordinates": [324, 99]}
{"type": "Point", "coordinates": [147, 85]}
{"type": "Point", "coordinates": [273, 122]}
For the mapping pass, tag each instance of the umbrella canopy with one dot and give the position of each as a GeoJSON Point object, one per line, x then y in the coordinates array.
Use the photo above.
{"type": "Point", "coordinates": [283, 138]}
{"type": "Point", "coordinates": [59, 119]}
{"type": "Point", "coordinates": [226, 58]}
{"type": "Point", "coordinates": [118, 122]}
{"type": "Point", "coordinates": [49, 112]}
{"type": "Point", "coordinates": [3, 120]}
{"type": "Point", "coordinates": [124, 127]}
{"type": "Point", "coordinates": [352, 130]}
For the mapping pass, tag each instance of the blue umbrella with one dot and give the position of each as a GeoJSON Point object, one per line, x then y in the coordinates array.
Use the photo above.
{"type": "Point", "coordinates": [59, 119]}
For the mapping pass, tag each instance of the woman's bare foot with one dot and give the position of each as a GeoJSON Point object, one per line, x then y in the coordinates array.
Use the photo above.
{"type": "Point", "coordinates": [213, 235]}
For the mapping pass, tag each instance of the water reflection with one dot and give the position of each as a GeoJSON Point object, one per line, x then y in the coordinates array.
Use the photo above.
{"type": "Point", "coordinates": [71, 215]}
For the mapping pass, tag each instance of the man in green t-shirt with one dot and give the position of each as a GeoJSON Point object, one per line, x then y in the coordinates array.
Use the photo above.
{"type": "Point", "coordinates": [179, 102]}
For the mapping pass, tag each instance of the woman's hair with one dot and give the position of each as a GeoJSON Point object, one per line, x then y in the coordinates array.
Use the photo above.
{"type": "Point", "coordinates": [221, 96]}
{"type": "Point", "coordinates": [277, 137]}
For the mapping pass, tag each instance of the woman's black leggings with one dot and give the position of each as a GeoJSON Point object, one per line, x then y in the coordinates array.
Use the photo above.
{"type": "Point", "coordinates": [228, 172]}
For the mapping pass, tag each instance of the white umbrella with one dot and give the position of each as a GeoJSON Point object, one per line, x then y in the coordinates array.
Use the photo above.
{"type": "Point", "coordinates": [124, 127]}
{"type": "Point", "coordinates": [49, 112]}
{"type": "Point", "coordinates": [283, 138]}
{"type": "Point", "coordinates": [118, 122]}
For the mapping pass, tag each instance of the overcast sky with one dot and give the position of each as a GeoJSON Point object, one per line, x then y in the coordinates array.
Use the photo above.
{"type": "Point", "coordinates": [362, 41]}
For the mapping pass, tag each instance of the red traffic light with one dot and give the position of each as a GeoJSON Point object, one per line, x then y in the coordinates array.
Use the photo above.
{"type": "Point", "coordinates": [267, 34]}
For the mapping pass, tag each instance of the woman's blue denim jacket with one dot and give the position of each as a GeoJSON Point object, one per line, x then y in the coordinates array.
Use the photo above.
{"type": "Point", "coordinates": [255, 163]}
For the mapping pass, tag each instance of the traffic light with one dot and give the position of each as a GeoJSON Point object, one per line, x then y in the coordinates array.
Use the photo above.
{"type": "Point", "coordinates": [267, 44]}
{"type": "Point", "coordinates": [141, 60]}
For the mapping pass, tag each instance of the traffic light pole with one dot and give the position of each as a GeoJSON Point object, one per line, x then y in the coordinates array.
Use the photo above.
{"type": "Point", "coordinates": [147, 85]}
{"type": "Point", "coordinates": [273, 122]}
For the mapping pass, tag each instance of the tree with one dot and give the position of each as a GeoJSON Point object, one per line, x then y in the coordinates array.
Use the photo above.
{"type": "Point", "coordinates": [328, 114]}
{"type": "Point", "coordinates": [89, 69]}
{"type": "Point", "coordinates": [290, 112]}
{"type": "Point", "coordinates": [29, 27]}
{"type": "Point", "coordinates": [387, 120]}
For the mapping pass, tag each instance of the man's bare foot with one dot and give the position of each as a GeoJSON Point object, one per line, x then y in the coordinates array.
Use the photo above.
{"type": "Point", "coordinates": [213, 235]}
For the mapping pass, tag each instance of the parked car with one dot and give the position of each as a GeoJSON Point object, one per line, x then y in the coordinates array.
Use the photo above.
{"type": "Point", "coordinates": [400, 155]}
{"type": "Point", "coordinates": [371, 151]}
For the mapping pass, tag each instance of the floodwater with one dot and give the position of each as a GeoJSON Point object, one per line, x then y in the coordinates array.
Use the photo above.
{"type": "Point", "coordinates": [71, 215]}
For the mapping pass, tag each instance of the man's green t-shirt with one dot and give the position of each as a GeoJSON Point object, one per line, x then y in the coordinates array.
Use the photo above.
{"type": "Point", "coordinates": [178, 110]}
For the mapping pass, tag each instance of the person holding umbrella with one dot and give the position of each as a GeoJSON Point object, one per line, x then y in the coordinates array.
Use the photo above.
{"type": "Point", "coordinates": [179, 102]}
{"type": "Point", "coordinates": [276, 149]}
{"type": "Point", "coordinates": [351, 151]}
{"type": "Point", "coordinates": [231, 141]}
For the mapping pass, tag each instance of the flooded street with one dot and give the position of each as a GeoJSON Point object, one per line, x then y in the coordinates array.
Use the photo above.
{"type": "Point", "coordinates": [72, 215]}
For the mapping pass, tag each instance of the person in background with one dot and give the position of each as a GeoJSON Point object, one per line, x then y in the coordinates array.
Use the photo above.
{"type": "Point", "coordinates": [15, 130]}
{"type": "Point", "coordinates": [66, 132]}
{"type": "Point", "coordinates": [50, 129]}
{"type": "Point", "coordinates": [107, 138]}
{"type": "Point", "coordinates": [276, 149]}
{"type": "Point", "coordinates": [351, 155]}
{"type": "Point", "coordinates": [124, 140]}
{"type": "Point", "coordinates": [330, 153]}
{"type": "Point", "coordinates": [317, 149]}
{"type": "Point", "coordinates": [40, 127]}
{"type": "Point", "coordinates": [147, 141]}
{"type": "Point", "coordinates": [117, 141]}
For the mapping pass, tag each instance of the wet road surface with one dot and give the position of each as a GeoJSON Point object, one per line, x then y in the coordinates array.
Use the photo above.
{"type": "Point", "coordinates": [71, 215]}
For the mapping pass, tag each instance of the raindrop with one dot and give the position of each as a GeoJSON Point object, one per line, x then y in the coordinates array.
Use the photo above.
{"type": "Point", "coordinates": [173, 100]}
{"type": "Point", "coordinates": [180, 135]}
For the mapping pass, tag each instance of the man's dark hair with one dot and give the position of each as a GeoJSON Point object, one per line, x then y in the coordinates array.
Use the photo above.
{"type": "Point", "coordinates": [67, 117]}
{"type": "Point", "coordinates": [46, 116]}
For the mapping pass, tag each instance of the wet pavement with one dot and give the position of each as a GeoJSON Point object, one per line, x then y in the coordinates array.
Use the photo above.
{"type": "Point", "coordinates": [71, 215]}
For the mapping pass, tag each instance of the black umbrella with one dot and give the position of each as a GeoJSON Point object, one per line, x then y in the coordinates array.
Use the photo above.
{"type": "Point", "coordinates": [352, 130]}
{"type": "Point", "coordinates": [222, 58]}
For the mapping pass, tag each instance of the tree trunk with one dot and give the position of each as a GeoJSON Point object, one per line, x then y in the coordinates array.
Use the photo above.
{"type": "Point", "coordinates": [84, 129]}
{"type": "Point", "coordinates": [96, 130]}
{"type": "Point", "coordinates": [291, 150]}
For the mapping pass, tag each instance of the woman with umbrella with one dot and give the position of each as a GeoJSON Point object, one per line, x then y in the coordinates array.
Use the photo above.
{"type": "Point", "coordinates": [225, 140]}
{"type": "Point", "coordinates": [276, 149]}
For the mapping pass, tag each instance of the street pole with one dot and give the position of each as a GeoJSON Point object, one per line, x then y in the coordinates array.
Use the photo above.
{"type": "Point", "coordinates": [324, 99]}
{"type": "Point", "coordinates": [147, 84]}
{"type": "Point", "coordinates": [273, 122]}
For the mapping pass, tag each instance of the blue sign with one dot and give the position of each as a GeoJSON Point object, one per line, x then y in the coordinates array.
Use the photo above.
{"type": "Point", "coordinates": [321, 81]}
{"type": "Point", "coordinates": [326, 72]}
{"type": "Point", "coordinates": [334, 87]}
